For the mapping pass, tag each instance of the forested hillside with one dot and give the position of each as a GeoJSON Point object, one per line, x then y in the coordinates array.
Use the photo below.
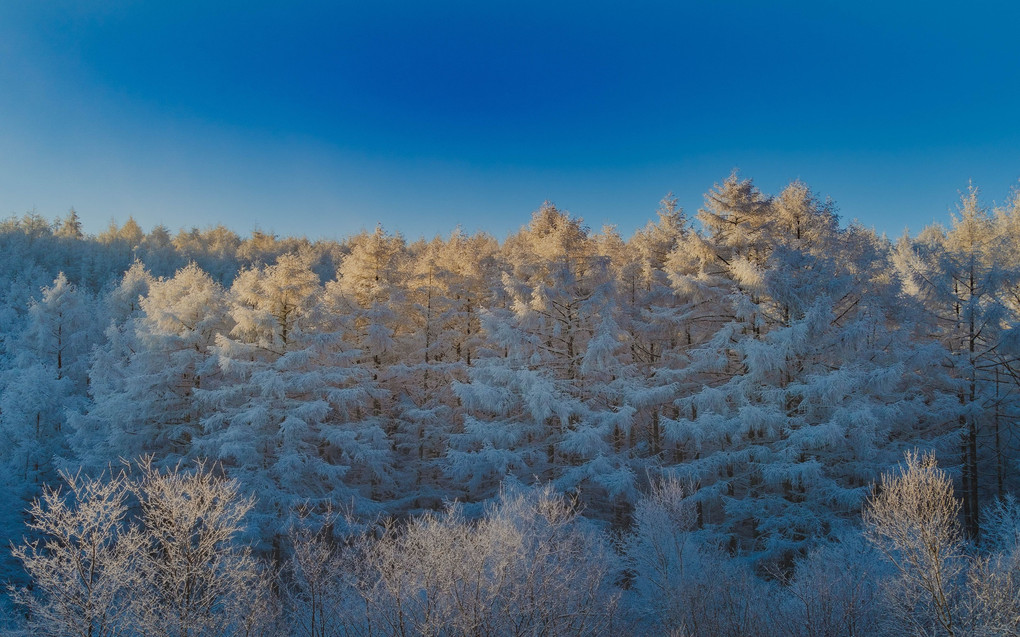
{"type": "Point", "coordinates": [684, 425]}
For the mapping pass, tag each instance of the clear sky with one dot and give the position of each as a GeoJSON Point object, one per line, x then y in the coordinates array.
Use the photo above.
{"type": "Point", "coordinates": [324, 118]}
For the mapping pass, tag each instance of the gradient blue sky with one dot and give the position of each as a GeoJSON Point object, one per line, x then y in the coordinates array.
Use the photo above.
{"type": "Point", "coordinates": [325, 118]}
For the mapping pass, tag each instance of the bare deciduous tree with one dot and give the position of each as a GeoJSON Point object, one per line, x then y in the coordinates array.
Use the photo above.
{"type": "Point", "coordinates": [179, 572]}
{"type": "Point", "coordinates": [194, 579]}
{"type": "Point", "coordinates": [530, 567]}
{"type": "Point", "coordinates": [316, 581]}
{"type": "Point", "coordinates": [913, 520]}
{"type": "Point", "coordinates": [82, 569]}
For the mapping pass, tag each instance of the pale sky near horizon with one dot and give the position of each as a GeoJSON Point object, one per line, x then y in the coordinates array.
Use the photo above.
{"type": "Point", "coordinates": [325, 118]}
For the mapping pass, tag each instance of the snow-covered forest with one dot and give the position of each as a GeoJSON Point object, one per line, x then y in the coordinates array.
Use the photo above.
{"type": "Point", "coordinates": [563, 432]}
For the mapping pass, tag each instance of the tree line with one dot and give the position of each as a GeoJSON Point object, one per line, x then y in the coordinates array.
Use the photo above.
{"type": "Point", "coordinates": [773, 361]}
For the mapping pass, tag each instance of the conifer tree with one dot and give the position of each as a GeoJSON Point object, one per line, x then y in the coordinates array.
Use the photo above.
{"type": "Point", "coordinates": [287, 414]}
{"type": "Point", "coordinates": [146, 377]}
{"type": "Point", "coordinates": [779, 415]}
{"type": "Point", "coordinates": [961, 275]}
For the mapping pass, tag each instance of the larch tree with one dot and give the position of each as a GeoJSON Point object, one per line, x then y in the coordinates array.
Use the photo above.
{"type": "Point", "coordinates": [215, 250]}
{"type": "Point", "coordinates": [48, 379]}
{"type": "Point", "coordinates": [424, 404]}
{"type": "Point", "coordinates": [285, 415]}
{"type": "Point", "coordinates": [780, 411]}
{"type": "Point", "coordinates": [525, 413]}
{"type": "Point", "coordinates": [62, 329]}
{"type": "Point", "coordinates": [124, 300]}
{"type": "Point", "coordinates": [146, 376]}
{"type": "Point", "coordinates": [70, 226]}
{"type": "Point", "coordinates": [960, 275]}
{"type": "Point", "coordinates": [369, 295]}
{"type": "Point", "coordinates": [369, 299]}
{"type": "Point", "coordinates": [656, 320]}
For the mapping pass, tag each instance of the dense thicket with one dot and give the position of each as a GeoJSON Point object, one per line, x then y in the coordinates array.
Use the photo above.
{"type": "Point", "coordinates": [762, 359]}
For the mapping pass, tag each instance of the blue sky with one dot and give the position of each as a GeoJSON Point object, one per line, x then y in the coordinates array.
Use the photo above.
{"type": "Point", "coordinates": [325, 118]}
